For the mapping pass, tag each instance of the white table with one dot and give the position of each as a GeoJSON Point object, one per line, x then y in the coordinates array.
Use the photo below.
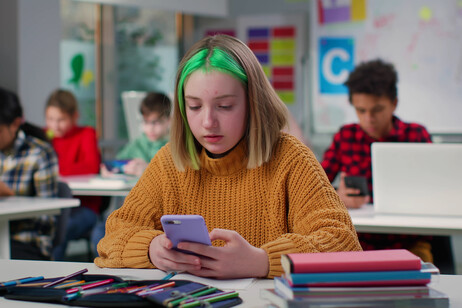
{"type": "Point", "coordinates": [26, 207]}
{"type": "Point", "coordinates": [11, 269]}
{"type": "Point", "coordinates": [94, 185]}
{"type": "Point", "coordinates": [366, 220]}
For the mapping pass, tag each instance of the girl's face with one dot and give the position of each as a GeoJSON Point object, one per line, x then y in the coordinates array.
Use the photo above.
{"type": "Point", "coordinates": [58, 121]}
{"type": "Point", "coordinates": [216, 109]}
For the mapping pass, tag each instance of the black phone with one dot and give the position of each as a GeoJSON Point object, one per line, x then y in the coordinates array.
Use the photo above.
{"type": "Point", "coordinates": [358, 182]}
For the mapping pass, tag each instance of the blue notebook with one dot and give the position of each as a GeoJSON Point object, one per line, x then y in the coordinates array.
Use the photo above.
{"type": "Point", "coordinates": [359, 278]}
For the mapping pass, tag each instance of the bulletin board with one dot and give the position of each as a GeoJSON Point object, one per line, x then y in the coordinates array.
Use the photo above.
{"type": "Point", "coordinates": [422, 38]}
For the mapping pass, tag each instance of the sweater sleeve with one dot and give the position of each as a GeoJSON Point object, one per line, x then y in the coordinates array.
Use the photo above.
{"type": "Point", "coordinates": [317, 219]}
{"type": "Point", "coordinates": [130, 229]}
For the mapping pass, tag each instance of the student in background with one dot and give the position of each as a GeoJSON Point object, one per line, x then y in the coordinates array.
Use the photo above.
{"type": "Point", "coordinates": [262, 192]}
{"type": "Point", "coordinates": [373, 93]}
{"type": "Point", "coordinates": [28, 167]}
{"type": "Point", "coordinates": [78, 153]}
{"type": "Point", "coordinates": [155, 109]}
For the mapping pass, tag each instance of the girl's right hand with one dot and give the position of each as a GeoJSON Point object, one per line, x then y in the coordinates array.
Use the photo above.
{"type": "Point", "coordinates": [165, 258]}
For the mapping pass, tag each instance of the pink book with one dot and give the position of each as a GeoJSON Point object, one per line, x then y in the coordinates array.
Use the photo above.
{"type": "Point", "coordinates": [351, 261]}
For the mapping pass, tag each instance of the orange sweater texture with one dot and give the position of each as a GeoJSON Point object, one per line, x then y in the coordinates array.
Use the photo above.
{"type": "Point", "coordinates": [284, 206]}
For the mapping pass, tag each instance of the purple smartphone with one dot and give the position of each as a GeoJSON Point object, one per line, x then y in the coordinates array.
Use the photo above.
{"type": "Point", "coordinates": [185, 228]}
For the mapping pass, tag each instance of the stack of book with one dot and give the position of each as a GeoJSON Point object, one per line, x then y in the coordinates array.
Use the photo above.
{"type": "Point", "coordinates": [378, 278]}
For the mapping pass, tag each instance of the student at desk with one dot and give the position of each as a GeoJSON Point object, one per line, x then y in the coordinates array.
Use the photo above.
{"type": "Point", "coordinates": [155, 109]}
{"type": "Point", "coordinates": [78, 153]}
{"type": "Point", "coordinates": [28, 167]}
{"type": "Point", "coordinates": [373, 94]}
{"type": "Point", "coordinates": [262, 192]}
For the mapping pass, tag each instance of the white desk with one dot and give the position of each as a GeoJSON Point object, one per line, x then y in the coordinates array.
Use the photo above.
{"type": "Point", "coordinates": [26, 207]}
{"type": "Point", "coordinates": [366, 220]}
{"type": "Point", "coordinates": [11, 269]}
{"type": "Point", "coordinates": [94, 185]}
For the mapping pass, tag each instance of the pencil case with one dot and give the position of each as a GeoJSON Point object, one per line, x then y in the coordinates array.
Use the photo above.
{"type": "Point", "coordinates": [160, 299]}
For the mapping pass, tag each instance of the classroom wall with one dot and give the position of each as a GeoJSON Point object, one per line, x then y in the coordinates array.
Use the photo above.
{"type": "Point", "coordinates": [9, 45]}
{"type": "Point", "coordinates": [29, 52]}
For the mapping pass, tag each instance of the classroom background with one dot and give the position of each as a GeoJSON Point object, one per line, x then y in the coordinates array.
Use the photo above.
{"type": "Point", "coordinates": [102, 49]}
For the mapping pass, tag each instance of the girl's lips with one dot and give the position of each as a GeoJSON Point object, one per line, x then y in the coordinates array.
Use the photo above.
{"type": "Point", "coordinates": [213, 138]}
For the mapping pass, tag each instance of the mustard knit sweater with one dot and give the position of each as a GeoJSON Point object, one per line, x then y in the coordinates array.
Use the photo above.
{"type": "Point", "coordinates": [286, 205]}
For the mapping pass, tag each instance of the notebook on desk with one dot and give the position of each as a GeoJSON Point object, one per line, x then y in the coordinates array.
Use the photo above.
{"type": "Point", "coordinates": [417, 178]}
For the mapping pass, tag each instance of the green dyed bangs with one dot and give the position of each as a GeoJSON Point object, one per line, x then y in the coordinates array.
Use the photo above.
{"type": "Point", "coordinates": [216, 60]}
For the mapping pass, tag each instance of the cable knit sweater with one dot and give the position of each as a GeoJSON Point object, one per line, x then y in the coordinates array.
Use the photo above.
{"type": "Point", "coordinates": [284, 206]}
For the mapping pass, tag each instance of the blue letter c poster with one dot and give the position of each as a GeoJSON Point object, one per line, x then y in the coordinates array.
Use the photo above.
{"type": "Point", "coordinates": [336, 61]}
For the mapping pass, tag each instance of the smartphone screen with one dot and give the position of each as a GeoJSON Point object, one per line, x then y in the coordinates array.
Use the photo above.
{"type": "Point", "coordinates": [185, 228]}
{"type": "Point", "coordinates": [358, 182]}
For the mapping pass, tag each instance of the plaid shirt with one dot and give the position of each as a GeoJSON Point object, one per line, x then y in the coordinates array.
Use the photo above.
{"type": "Point", "coordinates": [30, 168]}
{"type": "Point", "coordinates": [350, 152]}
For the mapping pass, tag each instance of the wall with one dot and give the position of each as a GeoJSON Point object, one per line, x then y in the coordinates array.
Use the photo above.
{"type": "Point", "coordinates": [29, 52]}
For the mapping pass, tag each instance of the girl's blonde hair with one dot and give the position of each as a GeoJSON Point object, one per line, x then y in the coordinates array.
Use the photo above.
{"type": "Point", "coordinates": [267, 113]}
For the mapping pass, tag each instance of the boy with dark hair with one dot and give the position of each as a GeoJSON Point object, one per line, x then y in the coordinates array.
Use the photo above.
{"type": "Point", "coordinates": [28, 167]}
{"type": "Point", "coordinates": [373, 94]}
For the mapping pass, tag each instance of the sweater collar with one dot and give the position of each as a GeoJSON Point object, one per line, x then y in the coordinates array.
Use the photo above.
{"type": "Point", "coordinates": [233, 162]}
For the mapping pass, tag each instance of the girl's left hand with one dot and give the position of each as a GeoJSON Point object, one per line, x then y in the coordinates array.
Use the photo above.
{"type": "Point", "coordinates": [237, 259]}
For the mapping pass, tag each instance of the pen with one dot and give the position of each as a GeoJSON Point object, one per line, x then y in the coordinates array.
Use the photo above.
{"type": "Point", "coordinates": [89, 286]}
{"type": "Point", "coordinates": [65, 278]}
{"type": "Point", "coordinates": [216, 298]}
{"type": "Point", "coordinates": [20, 281]}
{"type": "Point", "coordinates": [162, 286]}
{"type": "Point", "coordinates": [169, 275]}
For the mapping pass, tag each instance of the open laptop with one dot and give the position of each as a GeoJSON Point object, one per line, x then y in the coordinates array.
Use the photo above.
{"type": "Point", "coordinates": [417, 178]}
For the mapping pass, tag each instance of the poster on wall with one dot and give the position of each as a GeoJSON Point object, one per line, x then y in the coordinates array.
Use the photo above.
{"type": "Point", "coordinates": [422, 39]}
{"type": "Point", "coordinates": [277, 41]}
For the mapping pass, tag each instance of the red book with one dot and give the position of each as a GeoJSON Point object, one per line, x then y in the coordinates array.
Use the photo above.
{"type": "Point", "coordinates": [351, 261]}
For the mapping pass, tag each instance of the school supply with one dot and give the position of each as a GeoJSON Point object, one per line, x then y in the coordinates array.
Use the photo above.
{"type": "Point", "coordinates": [351, 261]}
{"type": "Point", "coordinates": [401, 171]}
{"type": "Point", "coordinates": [85, 290]}
{"type": "Point", "coordinates": [381, 278]}
{"type": "Point", "coordinates": [433, 298]}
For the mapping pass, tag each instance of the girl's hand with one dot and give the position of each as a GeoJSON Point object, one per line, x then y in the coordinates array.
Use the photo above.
{"type": "Point", "coordinates": [165, 258]}
{"type": "Point", "coordinates": [237, 259]}
{"type": "Point", "coordinates": [352, 202]}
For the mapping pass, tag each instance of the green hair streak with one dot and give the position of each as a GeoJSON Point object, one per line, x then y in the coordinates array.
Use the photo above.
{"type": "Point", "coordinates": [207, 61]}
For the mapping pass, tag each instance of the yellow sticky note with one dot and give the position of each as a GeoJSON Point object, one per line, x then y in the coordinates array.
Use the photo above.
{"type": "Point", "coordinates": [283, 59]}
{"type": "Point", "coordinates": [283, 44]}
{"type": "Point", "coordinates": [287, 97]}
{"type": "Point", "coordinates": [425, 13]}
{"type": "Point", "coordinates": [358, 10]}
{"type": "Point", "coordinates": [267, 70]}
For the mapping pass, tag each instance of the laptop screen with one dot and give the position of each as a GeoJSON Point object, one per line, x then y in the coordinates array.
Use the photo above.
{"type": "Point", "coordinates": [417, 178]}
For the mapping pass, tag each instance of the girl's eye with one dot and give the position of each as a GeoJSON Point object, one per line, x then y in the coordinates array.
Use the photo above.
{"type": "Point", "coordinates": [193, 107]}
{"type": "Point", "coordinates": [226, 107]}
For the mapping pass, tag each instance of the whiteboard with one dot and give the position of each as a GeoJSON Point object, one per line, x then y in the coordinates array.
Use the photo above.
{"type": "Point", "coordinates": [422, 38]}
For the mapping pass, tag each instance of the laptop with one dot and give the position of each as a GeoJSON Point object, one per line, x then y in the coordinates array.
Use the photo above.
{"type": "Point", "coordinates": [417, 178]}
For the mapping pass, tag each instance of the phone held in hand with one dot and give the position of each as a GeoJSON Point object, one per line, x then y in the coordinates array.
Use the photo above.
{"type": "Point", "coordinates": [116, 165]}
{"type": "Point", "coordinates": [185, 228]}
{"type": "Point", "coordinates": [358, 182]}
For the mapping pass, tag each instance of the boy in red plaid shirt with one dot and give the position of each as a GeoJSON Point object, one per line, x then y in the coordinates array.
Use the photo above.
{"type": "Point", "coordinates": [373, 94]}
